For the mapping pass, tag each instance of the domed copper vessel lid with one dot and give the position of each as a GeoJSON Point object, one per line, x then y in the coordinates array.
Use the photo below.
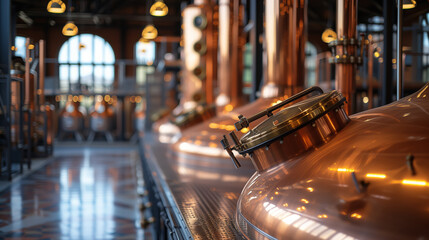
{"type": "Point", "coordinates": [290, 119]}
{"type": "Point", "coordinates": [311, 122]}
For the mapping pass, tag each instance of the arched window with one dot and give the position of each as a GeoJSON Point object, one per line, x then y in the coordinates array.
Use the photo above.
{"type": "Point", "coordinates": [86, 63]}
{"type": "Point", "coordinates": [145, 56]}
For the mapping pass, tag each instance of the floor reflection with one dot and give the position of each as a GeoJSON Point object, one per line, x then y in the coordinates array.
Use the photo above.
{"type": "Point", "coordinates": [86, 193]}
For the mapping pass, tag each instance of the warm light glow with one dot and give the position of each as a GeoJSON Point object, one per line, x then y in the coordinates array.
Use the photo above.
{"type": "Point", "coordinates": [230, 128]}
{"type": "Point", "coordinates": [356, 215]}
{"type": "Point", "coordinates": [149, 32]}
{"type": "Point", "coordinates": [107, 98]}
{"type": "Point", "coordinates": [75, 98]}
{"type": "Point", "coordinates": [304, 201]}
{"type": "Point", "coordinates": [70, 29]}
{"type": "Point", "coordinates": [342, 169]}
{"type": "Point", "coordinates": [301, 209]}
{"type": "Point", "coordinates": [329, 35]}
{"type": "Point", "coordinates": [158, 9]}
{"type": "Point", "coordinates": [229, 108]}
{"type": "Point", "coordinates": [13, 48]}
{"type": "Point", "coordinates": [31, 46]}
{"type": "Point", "coordinates": [408, 4]}
{"type": "Point", "coordinates": [365, 99]}
{"type": "Point", "coordinates": [310, 189]}
{"type": "Point", "coordinates": [322, 216]}
{"type": "Point", "coordinates": [375, 175]}
{"type": "Point", "coordinates": [376, 54]}
{"type": "Point", "coordinates": [414, 182]}
{"type": "Point", "coordinates": [56, 6]}
{"type": "Point", "coordinates": [276, 102]}
{"type": "Point", "coordinates": [244, 130]}
{"type": "Point", "coordinates": [213, 125]}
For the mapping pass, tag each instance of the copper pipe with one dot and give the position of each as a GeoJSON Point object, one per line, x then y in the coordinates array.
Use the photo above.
{"type": "Point", "coordinates": [370, 68]}
{"type": "Point", "coordinates": [285, 37]}
{"type": "Point", "coordinates": [277, 28]}
{"type": "Point", "coordinates": [298, 50]}
{"type": "Point", "coordinates": [224, 96]}
{"type": "Point", "coordinates": [210, 58]}
{"type": "Point", "coordinates": [346, 28]}
{"type": "Point", "coordinates": [41, 90]}
{"type": "Point", "coordinates": [236, 56]}
{"type": "Point", "coordinates": [27, 80]}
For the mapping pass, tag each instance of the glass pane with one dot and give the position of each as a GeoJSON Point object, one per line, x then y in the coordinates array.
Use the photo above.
{"type": "Point", "coordinates": [74, 76]}
{"type": "Point", "coordinates": [86, 77]}
{"type": "Point", "coordinates": [145, 52]}
{"type": "Point", "coordinates": [64, 77]}
{"type": "Point", "coordinates": [109, 56]}
{"type": "Point", "coordinates": [63, 55]}
{"type": "Point", "coordinates": [98, 50]}
{"type": "Point", "coordinates": [85, 48]}
{"type": "Point", "coordinates": [20, 46]}
{"type": "Point", "coordinates": [140, 75]}
{"type": "Point", "coordinates": [109, 75]}
{"type": "Point", "coordinates": [98, 78]}
{"type": "Point", "coordinates": [73, 49]}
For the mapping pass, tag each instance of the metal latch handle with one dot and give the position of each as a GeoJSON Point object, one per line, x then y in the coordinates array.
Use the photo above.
{"type": "Point", "coordinates": [244, 122]}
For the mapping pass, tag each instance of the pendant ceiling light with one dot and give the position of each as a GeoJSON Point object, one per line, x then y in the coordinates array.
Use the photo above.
{"type": "Point", "coordinates": [329, 35]}
{"type": "Point", "coordinates": [70, 29]}
{"type": "Point", "coordinates": [408, 4]}
{"type": "Point", "coordinates": [149, 32]}
{"type": "Point", "coordinates": [158, 9]}
{"type": "Point", "coordinates": [56, 6]}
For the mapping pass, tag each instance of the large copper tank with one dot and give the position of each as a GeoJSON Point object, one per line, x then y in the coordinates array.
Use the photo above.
{"type": "Point", "coordinates": [285, 23]}
{"type": "Point", "coordinates": [71, 118]}
{"type": "Point", "coordinates": [101, 117]}
{"type": "Point", "coordinates": [363, 177]}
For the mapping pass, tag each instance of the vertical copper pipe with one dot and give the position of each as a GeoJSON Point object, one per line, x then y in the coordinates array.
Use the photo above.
{"type": "Point", "coordinates": [236, 64]}
{"type": "Point", "coordinates": [277, 28]}
{"type": "Point", "coordinates": [346, 28]}
{"type": "Point", "coordinates": [370, 68]}
{"type": "Point", "coordinates": [224, 54]}
{"type": "Point", "coordinates": [41, 90]}
{"type": "Point", "coordinates": [27, 100]}
{"type": "Point", "coordinates": [298, 51]}
{"type": "Point", "coordinates": [211, 54]}
{"type": "Point", "coordinates": [285, 33]}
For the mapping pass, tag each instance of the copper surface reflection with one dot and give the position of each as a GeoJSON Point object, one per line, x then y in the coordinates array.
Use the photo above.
{"type": "Point", "coordinates": [350, 187]}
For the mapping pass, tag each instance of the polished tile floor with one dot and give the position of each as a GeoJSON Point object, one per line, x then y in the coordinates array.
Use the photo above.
{"type": "Point", "coordinates": [84, 193]}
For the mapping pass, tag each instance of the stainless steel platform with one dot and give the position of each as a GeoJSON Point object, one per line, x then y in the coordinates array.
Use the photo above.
{"type": "Point", "coordinates": [198, 193]}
